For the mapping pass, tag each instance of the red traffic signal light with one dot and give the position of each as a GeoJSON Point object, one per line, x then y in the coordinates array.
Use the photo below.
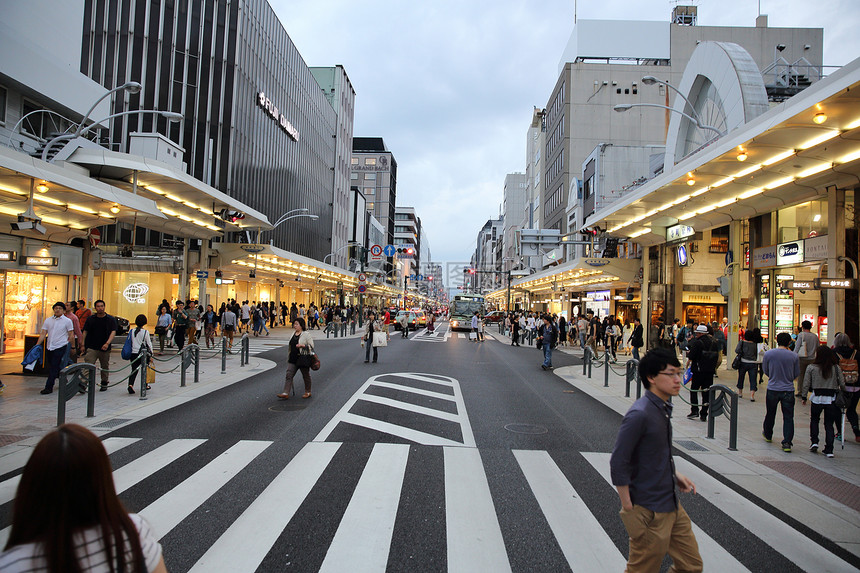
{"type": "Point", "coordinates": [410, 251]}
{"type": "Point", "coordinates": [472, 271]}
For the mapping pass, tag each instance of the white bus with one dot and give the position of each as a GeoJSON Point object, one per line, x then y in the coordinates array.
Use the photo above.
{"type": "Point", "coordinates": [462, 309]}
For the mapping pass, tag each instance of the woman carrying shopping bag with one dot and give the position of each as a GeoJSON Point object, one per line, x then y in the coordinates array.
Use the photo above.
{"type": "Point", "coordinates": [375, 335]}
{"type": "Point", "coordinates": [825, 379]}
{"type": "Point", "coordinates": [300, 357]}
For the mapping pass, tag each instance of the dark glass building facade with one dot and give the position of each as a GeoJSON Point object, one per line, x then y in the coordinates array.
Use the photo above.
{"type": "Point", "coordinates": [211, 61]}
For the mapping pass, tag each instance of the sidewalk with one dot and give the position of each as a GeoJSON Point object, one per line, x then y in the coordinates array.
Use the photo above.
{"type": "Point", "coordinates": [822, 493]}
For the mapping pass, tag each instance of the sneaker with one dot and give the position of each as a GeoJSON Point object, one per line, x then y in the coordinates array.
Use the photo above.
{"type": "Point", "coordinates": [786, 448]}
{"type": "Point", "coordinates": [830, 455]}
{"type": "Point", "coordinates": [46, 391]}
{"type": "Point", "coordinates": [692, 415]}
{"type": "Point", "coordinates": [543, 367]}
{"type": "Point", "coordinates": [102, 388]}
{"type": "Point", "coordinates": [813, 448]}
{"type": "Point", "coordinates": [766, 439]}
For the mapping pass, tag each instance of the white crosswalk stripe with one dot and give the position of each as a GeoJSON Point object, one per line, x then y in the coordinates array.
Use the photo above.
{"type": "Point", "coordinates": [474, 535]}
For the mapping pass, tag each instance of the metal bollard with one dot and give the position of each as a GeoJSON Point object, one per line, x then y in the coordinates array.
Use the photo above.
{"type": "Point", "coordinates": [196, 364]}
{"type": "Point", "coordinates": [632, 375]}
{"type": "Point", "coordinates": [183, 364]}
{"type": "Point", "coordinates": [223, 355]}
{"type": "Point", "coordinates": [606, 370]}
{"type": "Point", "coordinates": [717, 406]}
{"type": "Point", "coordinates": [142, 372]}
{"type": "Point", "coordinates": [585, 361]}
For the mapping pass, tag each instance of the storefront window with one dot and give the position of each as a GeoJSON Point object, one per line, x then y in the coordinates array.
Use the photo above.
{"type": "Point", "coordinates": [128, 294]}
{"type": "Point", "coordinates": [28, 295]}
{"type": "Point", "coordinates": [802, 221]}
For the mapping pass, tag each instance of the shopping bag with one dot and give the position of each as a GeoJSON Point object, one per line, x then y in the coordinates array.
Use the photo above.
{"type": "Point", "coordinates": [473, 336]}
{"type": "Point", "coordinates": [380, 339]}
{"type": "Point", "coordinates": [688, 375]}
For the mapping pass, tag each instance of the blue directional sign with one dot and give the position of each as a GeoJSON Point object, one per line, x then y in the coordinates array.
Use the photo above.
{"type": "Point", "coordinates": [389, 250]}
{"type": "Point", "coordinates": [202, 275]}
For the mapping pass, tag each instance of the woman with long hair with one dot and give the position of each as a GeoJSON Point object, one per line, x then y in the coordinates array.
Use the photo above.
{"type": "Point", "coordinates": [67, 516]}
{"type": "Point", "coordinates": [747, 350]}
{"type": "Point", "coordinates": [824, 378]}
{"type": "Point", "coordinates": [139, 341]}
{"type": "Point", "coordinates": [844, 349]}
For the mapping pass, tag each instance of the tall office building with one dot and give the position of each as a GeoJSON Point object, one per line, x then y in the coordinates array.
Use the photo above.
{"type": "Point", "coordinates": [256, 124]}
{"type": "Point", "coordinates": [340, 94]}
{"type": "Point", "coordinates": [374, 171]}
{"type": "Point", "coordinates": [513, 207]}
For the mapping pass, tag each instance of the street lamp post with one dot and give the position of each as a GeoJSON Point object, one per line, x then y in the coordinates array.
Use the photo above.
{"type": "Point", "coordinates": [622, 107]}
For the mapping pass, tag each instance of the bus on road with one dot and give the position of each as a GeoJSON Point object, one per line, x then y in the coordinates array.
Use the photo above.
{"type": "Point", "coordinates": [463, 308]}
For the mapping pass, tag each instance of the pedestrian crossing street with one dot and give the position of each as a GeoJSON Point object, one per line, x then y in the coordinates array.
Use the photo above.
{"type": "Point", "coordinates": [474, 537]}
{"type": "Point", "coordinates": [440, 335]}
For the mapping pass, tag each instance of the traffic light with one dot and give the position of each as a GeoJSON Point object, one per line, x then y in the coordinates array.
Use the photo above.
{"type": "Point", "coordinates": [589, 232]}
{"type": "Point", "coordinates": [472, 271]}
{"type": "Point", "coordinates": [218, 275]}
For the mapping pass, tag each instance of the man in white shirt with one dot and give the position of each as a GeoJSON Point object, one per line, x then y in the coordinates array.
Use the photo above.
{"type": "Point", "coordinates": [60, 333]}
{"type": "Point", "coordinates": [246, 315]}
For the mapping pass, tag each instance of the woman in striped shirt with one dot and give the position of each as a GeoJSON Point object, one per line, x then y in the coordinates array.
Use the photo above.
{"type": "Point", "coordinates": [67, 516]}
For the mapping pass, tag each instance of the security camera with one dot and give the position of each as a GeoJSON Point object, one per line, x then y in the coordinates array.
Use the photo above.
{"type": "Point", "coordinates": [780, 47]}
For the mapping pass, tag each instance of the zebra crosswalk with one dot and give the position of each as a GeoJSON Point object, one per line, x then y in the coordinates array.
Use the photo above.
{"type": "Point", "coordinates": [476, 538]}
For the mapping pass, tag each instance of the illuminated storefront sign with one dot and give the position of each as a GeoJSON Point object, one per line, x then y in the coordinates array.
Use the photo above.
{"type": "Point", "coordinates": [764, 257]}
{"type": "Point", "coordinates": [135, 292]}
{"type": "Point", "coordinates": [789, 253]}
{"type": "Point", "coordinates": [682, 256]}
{"type": "Point", "coordinates": [276, 115]}
{"type": "Point", "coordinates": [41, 261]}
{"type": "Point", "coordinates": [679, 232]}
{"type": "Point", "coordinates": [815, 249]}
{"type": "Point", "coordinates": [8, 255]}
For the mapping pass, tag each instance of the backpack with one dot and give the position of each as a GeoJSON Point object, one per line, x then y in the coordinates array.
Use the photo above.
{"type": "Point", "coordinates": [126, 348]}
{"type": "Point", "coordinates": [849, 369]}
{"type": "Point", "coordinates": [710, 359]}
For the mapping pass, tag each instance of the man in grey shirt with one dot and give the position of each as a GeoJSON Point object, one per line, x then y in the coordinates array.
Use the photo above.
{"type": "Point", "coordinates": [781, 366]}
{"type": "Point", "coordinates": [805, 347]}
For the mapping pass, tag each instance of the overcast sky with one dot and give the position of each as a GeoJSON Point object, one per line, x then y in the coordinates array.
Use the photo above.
{"type": "Point", "coordinates": [450, 85]}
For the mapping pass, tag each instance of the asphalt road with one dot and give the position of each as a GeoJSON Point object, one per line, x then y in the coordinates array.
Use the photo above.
{"type": "Point", "coordinates": [445, 455]}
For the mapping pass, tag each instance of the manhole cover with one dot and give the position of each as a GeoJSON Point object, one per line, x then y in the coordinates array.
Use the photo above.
{"type": "Point", "coordinates": [112, 423]}
{"type": "Point", "coordinates": [526, 429]}
{"type": "Point", "coordinates": [287, 406]}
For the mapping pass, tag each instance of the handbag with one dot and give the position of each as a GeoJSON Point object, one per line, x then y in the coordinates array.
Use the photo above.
{"type": "Point", "coordinates": [380, 339]}
{"type": "Point", "coordinates": [315, 363]}
{"type": "Point", "coordinates": [841, 399]}
{"type": "Point", "coordinates": [161, 330]}
{"type": "Point", "coordinates": [736, 363]}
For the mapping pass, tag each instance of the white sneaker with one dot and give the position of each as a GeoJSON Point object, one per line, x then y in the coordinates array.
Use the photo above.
{"type": "Point", "coordinates": [829, 455]}
{"type": "Point", "coordinates": [813, 448]}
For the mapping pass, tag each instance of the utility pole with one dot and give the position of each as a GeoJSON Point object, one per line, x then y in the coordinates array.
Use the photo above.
{"type": "Point", "coordinates": [363, 259]}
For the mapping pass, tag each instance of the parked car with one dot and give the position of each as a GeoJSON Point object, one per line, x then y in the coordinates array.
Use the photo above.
{"type": "Point", "coordinates": [421, 316]}
{"type": "Point", "coordinates": [495, 316]}
{"type": "Point", "coordinates": [121, 326]}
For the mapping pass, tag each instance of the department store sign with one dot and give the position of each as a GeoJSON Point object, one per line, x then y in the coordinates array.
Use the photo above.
{"type": "Point", "coordinates": [789, 253]}
{"type": "Point", "coordinates": [815, 249]}
{"type": "Point", "coordinates": [276, 115]}
{"type": "Point", "coordinates": [597, 262]}
{"type": "Point", "coordinates": [764, 257]}
{"type": "Point", "coordinates": [41, 261]}
{"type": "Point", "coordinates": [679, 232]}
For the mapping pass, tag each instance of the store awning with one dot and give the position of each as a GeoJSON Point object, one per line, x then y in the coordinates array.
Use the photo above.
{"type": "Point", "coordinates": [71, 200]}
{"type": "Point", "coordinates": [790, 155]}
{"type": "Point", "coordinates": [190, 204]}
{"type": "Point", "coordinates": [268, 261]}
{"type": "Point", "coordinates": [582, 274]}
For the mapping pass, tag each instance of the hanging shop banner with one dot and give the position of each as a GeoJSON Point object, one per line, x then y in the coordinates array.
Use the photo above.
{"type": "Point", "coordinates": [784, 311]}
{"type": "Point", "coordinates": [679, 233]}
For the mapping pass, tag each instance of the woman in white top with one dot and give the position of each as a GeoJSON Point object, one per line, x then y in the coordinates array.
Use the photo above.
{"type": "Point", "coordinates": [139, 340]}
{"type": "Point", "coordinates": [628, 332]}
{"type": "Point", "coordinates": [67, 516]}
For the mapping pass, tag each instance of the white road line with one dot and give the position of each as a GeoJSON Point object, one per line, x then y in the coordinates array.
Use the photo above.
{"type": "Point", "coordinates": [410, 407]}
{"type": "Point", "coordinates": [169, 510]}
{"type": "Point", "coordinates": [388, 381]}
{"type": "Point", "coordinates": [792, 544]}
{"type": "Point", "coordinates": [9, 486]}
{"type": "Point", "coordinates": [363, 538]}
{"type": "Point", "coordinates": [138, 470]}
{"type": "Point", "coordinates": [713, 554]}
{"type": "Point", "coordinates": [580, 536]}
{"type": "Point", "coordinates": [247, 541]}
{"type": "Point", "coordinates": [412, 390]}
{"type": "Point", "coordinates": [461, 335]}
{"type": "Point", "coordinates": [416, 436]}
{"type": "Point", "coordinates": [474, 537]}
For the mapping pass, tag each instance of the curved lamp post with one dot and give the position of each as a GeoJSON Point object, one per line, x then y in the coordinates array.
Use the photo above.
{"type": "Point", "coordinates": [170, 115]}
{"type": "Point", "coordinates": [622, 107]}
{"type": "Point", "coordinates": [346, 246]}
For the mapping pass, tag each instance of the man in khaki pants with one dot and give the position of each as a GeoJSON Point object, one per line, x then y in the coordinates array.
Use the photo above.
{"type": "Point", "coordinates": [99, 331]}
{"type": "Point", "coordinates": [644, 474]}
{"type": "Point", "coordinates": [193, 312]}
{"type": "Point", "coordinates": [805, 347]}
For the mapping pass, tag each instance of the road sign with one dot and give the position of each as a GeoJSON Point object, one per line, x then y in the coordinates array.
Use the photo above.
{"type": "Point", "coordinates": [389, 250]}
{"type": "Point", "coordinates": [362, 288]}
{"type": "Point", "coordinates": [201, 275]}
{"type": "Point", "coordinates": [376, 253]}
{"type": "Point", "coordinates": [362, 277]}
{"type": "Point", "coordinates": [836, 283]}
{"type": "Point", "coordinates": [95, 237]}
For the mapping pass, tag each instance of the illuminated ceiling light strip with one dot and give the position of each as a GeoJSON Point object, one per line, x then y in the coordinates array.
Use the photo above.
{"type": "Point", "coordinates": [638, 233]}
{"type": "Point", "coordinates": [707, 209]}
{"type": "Point", "coordinates": [726, 202]}
{"type": "Point", "coordinates": [750, 193]}
{"type": "Point", "coordinates": [45, 199]}
{"type": "Point", "coordinates": [747, 171]}
{"type": "Point", "coordinates": [13, 191]}
{"type": "Point", "coordinates": [680, 200]}
{"type": "Point", "coordinates": [820, 139]}
{"type": "Point", "coordinates": [853, 124]}
{"type": "Point", "coordinates": [814, 170]}
{"type": "Point", "coordinates": [778, 157]}
{"type": "Point", "coordinates": [779, 183]}
{"type": "Point", "coordinates": [699, 191]}
{"type": "Point", "coordinates": [82, 209]}
{"type": "Point", "coordinates": [168, 211]}
{"type": "Point", "coordinates": [850, 157]}
{"type": "Point", "coordinates": [722, 182]}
